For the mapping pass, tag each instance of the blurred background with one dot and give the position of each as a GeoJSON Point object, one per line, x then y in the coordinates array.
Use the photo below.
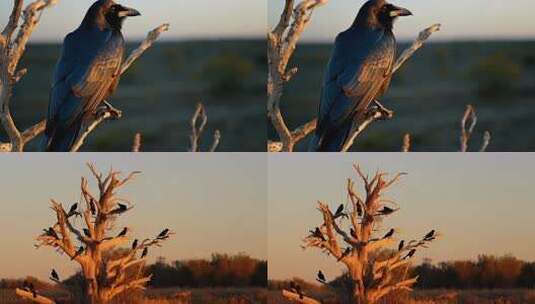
{"type": "Point", "coordinates": [212, 54]}
{"type": "Point", "coordinates": [484, 55]}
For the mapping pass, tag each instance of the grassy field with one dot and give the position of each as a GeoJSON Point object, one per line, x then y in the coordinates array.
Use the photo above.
{"type": "Point", "coordinates": [159, 93]}
{"type": "Point", "coordinates": [430, 92]}
{"type": "Point", "coordinates": [172, 296]}
{"type": "Point", "coordinates": [441, 297]}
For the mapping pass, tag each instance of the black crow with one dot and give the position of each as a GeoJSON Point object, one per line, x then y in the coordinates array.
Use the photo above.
{"type": "Point", "coordinates": [163, 234]}
{"type": "Point", "coordinates": [430, 235]}
{"type": "Point", "coordinates": [123, 232]}
{"type": "Point", "coordinates": [297, 289]}
{"type": "Point", "coordinates": [353, 233]}
{"type": "Point", "coordinates": [78, 253]}
{"type": "Point", "coordinates": [134, 245]}
{"type": "Point", "coordinates": [410, 254]}
{"type": "Point", "coordinates": [401, 245]}
{"type": "Point", "coordinates": [92, 207]}
{"type": "Point", "coordinates": [87, 232]}
{"type": "Point", "coordinates": [145, 252]}
{"type": "Point", "coordinates": [359, 71]}
{"type": "Point", "coordinates": [31, 289]}
{"type": "Point", "coordinates": [86, 74]}
{"type": "Point", "coordinates": [73, 209]}
{"type": "Point", "coordinates": [386, 211]}
{"type": "Point", "coordinates": [122, 208]}
{"type": "Point", "coordinates": [317, 234]}
{"type": "Point", "coordinates": [390, 233]}
{"type": "Point", "coordinates": [359, 209]}
{"type": "Point", "coordinates": [345, 253]}
{"type": "Point", "coordinates": [321, 277]}
{"type": "Point", "coordinates": [339, 210]}
{"type": "Point", "coordinates": [54, 276]}
{"type": "Point", "coordinates": [51, 232]}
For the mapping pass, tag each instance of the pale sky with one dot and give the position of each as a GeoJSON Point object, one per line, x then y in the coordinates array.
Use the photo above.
{"type": "Point", "coordinates": [473, 19]}
{"type": "Point", "coordinates": [189, 19]}
{"type": "Point", "coordinates": [214, 202]}
{"type": "Point", "coordinates": [480, 203]}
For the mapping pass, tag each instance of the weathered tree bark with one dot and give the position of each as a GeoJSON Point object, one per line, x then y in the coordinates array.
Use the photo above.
{"type": "Point", "coordinates": [282, 42]}
{"type": "Point", "coordinates": [372, 276]}
{"type": "Point", "coordinates": [105, 278]}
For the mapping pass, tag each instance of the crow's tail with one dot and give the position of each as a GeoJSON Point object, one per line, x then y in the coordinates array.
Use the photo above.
{"type": "Point", "coordinates": [330, 140]}
{"type": "Point", "coordinates": [62, 137]}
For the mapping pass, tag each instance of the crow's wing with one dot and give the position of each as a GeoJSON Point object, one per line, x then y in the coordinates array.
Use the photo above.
{"type": "Point", "coordinates": [99, 77]}
{"type": "Point", "coordinates": [358, 70]}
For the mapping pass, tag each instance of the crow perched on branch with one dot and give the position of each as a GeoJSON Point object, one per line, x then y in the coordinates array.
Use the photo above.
{"type": "Point", "coordinates": [317, 234]}
{"type": "Point", "coordinates": [321, 277]}
{"type": "Point", "coordinates": [389, 234]}
{"type": "Point", "coordinates": [73, 209]}
{"type": "Point", "coordinates": [145, 252]}
{"type": "Point", "coordinates": [297, 289]}
{"type": "Point", "coordinates": [358, 73]}
{"type": "Point", "coordinates": [123, 232]}
{"type": "Point", "coordinates": [134, 244]}
{"type": "Point", "coordinates": [81, 250]}
{"type": "Point", "coordinates": [54, 276]}
{"type": "Point", "coordinates": [87, 73]}
{"type": "Point", "coordinates": [51, 232]}
{"type": "Point", "coordinates": [163, 235]}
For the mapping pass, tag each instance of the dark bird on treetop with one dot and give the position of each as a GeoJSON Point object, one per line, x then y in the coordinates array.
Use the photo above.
{"type": "Point", "coordinates": [358, 73]}
{"type": "Point", "coordinates": [430, 235]}
{"type": "Point", "coordinates": [54, 275]}
{"type": "Point", "coordinates": [163, 234]}
{"type": "Point", "coordinates": [321, 277]}
{"type": "Point", "coordinates": [339, 210]}
{"type": "Point", "coordinates": [73, 209]}
{"type": "Point", "coordinates": [297, 289]}
{"type": "Point", "coordinates": [78, 253]}
{"type": "Point", "coordinates": [401, 245]}
{"type": "Point", "coordinates": [410, 254]}
{"type": "Point", "coordinates": [390, 233]}
{"type": "Point", "coordinates": [51, 232]}
{"type": "Point", "coordinates": [317, 234]}
{"type": "Point", "coordinates": [134, 245]}
{"type": "Point", "coordinates": [92, 207]}
{"type": "Point", "coordinates": [386, 211]}
{"type": "Point", "coordinates": [123, 232]}
{"type": "Point", "coordinates": [87, 232]}
{"type": "Point", "coordinates": [86, 74]}
{"type": "Point", "coordinates": [145, 252]}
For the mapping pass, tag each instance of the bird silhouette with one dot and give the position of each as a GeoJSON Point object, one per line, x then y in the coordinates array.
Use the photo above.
{"type": "Point", "coordinates": [134, 244]}
{"type": "Point", "coordinates": [86, 74]}
{"type": "Point", "coordinates": [123, 232]}
{"type": "Point", "coordinates": [80, 250]}
{"type": "Point", "coordinates": [410, 254]}
{"type": "Point", "coordinates": [317, 234]}
{"type": "Point", "coordinates": [339, 211]}
{"type": "Point", "coordinates": [73, 209]}
{"type": "Point", "coordinates": [359, 209]}
{"type": "Point", "coordinates": [401, 245]}
{"type": "Point", "coordinates": [163, 234]}
{"type": "Point", "coordinates": [51, 232]}
{"type": "Point", "coordinates": [145, 252]}
{"type": "Point", "coordinates": [386, 211]}
{"type": "Point", "coordinates": [358, 73]}
{"type": "Point", "coordinates": [345, 253]}
{"type": "Point", "coordinates": [321, 277]}
{"type": "Point", "coordinates": [353, 233]}
{"type": "Point", "coordinates": [296, 289]}
{"type": "Point", "coordinates": [389, 234]}
{"type": "Point", "coordinates": [430, 235]}
{"type": "Point", "coordinates": [87, 232]}
{"type": "Point", "coordinates": [54, 275]}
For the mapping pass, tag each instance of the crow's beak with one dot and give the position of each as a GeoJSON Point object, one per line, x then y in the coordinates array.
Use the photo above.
{"type": "Point", "coordinates": [128, 12]}
{"type": "Point", "coordinates": [399, 12]}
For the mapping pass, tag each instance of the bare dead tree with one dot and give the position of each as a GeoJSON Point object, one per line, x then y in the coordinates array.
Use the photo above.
{"type": "Point", "coordinates": [88, 244]}
{"type": "Point", "coordinates": [12, 48]}
{"type": "Point", "coordinates": [372, 275]}
{"type": "Point", "coordinates": [282, 42]}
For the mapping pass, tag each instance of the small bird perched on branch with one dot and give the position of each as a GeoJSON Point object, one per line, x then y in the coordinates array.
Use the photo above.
{"type": "Point", "coordinates": [123, 232]}
{"type": "Point", "coordinates": [296, 289]}
{"type": "Point", "coordinates": [87, 73]}
{"type": "Point", "coordinates": [145, 252]}
{"type": "Point", "coordinates": [317, 234]}
{"type": "Point", "coordinates": [51, 232]}
{"type": "Point", "coordinates": [389, 234]}
{"type": "Point", "coordinates": [73, 211]}
{"type": "Point", "coordinates": [359, 71]}
{"type": "Point", "coordinates": [79, 252]}
{"type": "Point", "coordinates": [321, 277]}
{"type": "Point", "coordinates": [163, 235]}
{"type": "Point", "coordinates": [54, 276]}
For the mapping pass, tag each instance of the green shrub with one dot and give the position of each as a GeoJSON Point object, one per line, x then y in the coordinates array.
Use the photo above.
{"type": "Point", "coordinates": [495, 75]}
{"type": "Point", "coordinates": [226, 73]}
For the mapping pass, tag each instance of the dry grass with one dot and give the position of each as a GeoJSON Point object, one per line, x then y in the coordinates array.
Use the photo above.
{"type": "Point", "coordinates": [509, 296]}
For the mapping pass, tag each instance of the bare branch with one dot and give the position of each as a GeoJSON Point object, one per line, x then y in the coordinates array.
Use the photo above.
{"type": "Point", "coordinates": [198, 123]}
{"type": "Point", "coordinates": [136, 146]}
{"type": "Point", "coordinates": [28, 296]}
{"type": "Point", "coordinates": [406, 147]}
{"type": "Point", "coordinates": [470, 119]}
{"type": "Point", "coordinates": [294, 297]}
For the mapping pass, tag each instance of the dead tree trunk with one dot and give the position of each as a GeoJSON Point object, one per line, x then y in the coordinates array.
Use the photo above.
{"type": "Point", "coordinates": [371, 275]}
{"type": "Point", "coordinates": [87, 245]}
